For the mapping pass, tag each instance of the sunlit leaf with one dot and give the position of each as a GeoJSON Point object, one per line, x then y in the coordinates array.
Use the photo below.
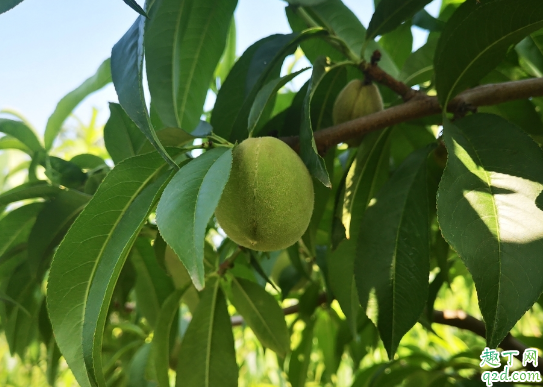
{"type": "Point", "coordinates": [488, 212]}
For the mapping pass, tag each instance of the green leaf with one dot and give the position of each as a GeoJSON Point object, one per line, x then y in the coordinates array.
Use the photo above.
{"type": "Point", "coordinates": [35, 189]}
{"type": "Point", "coordinates": [476, 39]}
{"type": "Point", "coordinates": [207, 357]}
{"type": "Point", "coordinates": [69, 102]}
{"type": "Point", "coordinates": [88, 261]}
{"type": "Point", "coordinates": [136, 372]}
{"type": "Point", "coordinates": [15, 226]}
{"type": "Point", "coordinates": [229, 55]}
{"type": "Point", "coordinates": [487, 212]}
{"type": "Point", "coordinates": [308, 148]}
{"type": "Point", "coordinates": [88, 161]}
{"type": "Point", "coordinates": [9, 142]}
{"type": "Point", "coordinates": [530, 50]}
{"type": "Point", "coordinates": [51, 224]}
{"type": "Point", "coordinates": [389, 14]}
{"type": "Point", "coordinates": [153, 286]}
{"type": "Point", "coordinates": [160, 350]}
{"type": "Point", "coordinates": [9, 4]}
{"type": "Point", "coordinates": [262, 313]}
{"type": "Point", "coordinates": [419, 66]}
{"type": "Point", "coordinates": [136, 7]}
{"type": "Point", "coordinates": [342, 282]}
{"type": "Point", "coordinates": [188, 203]}
{"type": "Point", "coordinates": [126, 72]}
{"type": "Point", "coordinates": [426, 21]}
{"type": "Point", "coordinates": [392, 254]}
{"type": "Point", "coordinates": [398, 43]}
{"type": "Point", "coordinates": [367, 174]}
{"type": "Point", "coordinates": [343, 22]}
{"type": "Point", "coordinates": [122, 137]}
{"type": "Point", "coordinates": [259, 63]}
{"type": "Point", "coordinates": [19, 130]}
{"type": "Point", "coordinates": [184, 43]}
{"type": "Point", "coordinates": [20, 321]}
{"type": "Point", "coordinates": [265, 97]}
{"type": "Point", "coordinates": [301, 357]}
{"type": "Point", "coordinates": [62, 172]}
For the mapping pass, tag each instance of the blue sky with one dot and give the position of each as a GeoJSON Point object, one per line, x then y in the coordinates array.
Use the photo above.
{"type": "Point", "coordinates": [47, 48]}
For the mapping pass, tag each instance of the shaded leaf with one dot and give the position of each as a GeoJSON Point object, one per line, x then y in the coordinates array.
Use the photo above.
{"type": "Point", "coordinates": [153, 286]}
{"type": "Point", "coordinates": [188, 203]}
{"type": "Point", "coordinates": [207, 357]}
{"type": "Point", "coordinates": [262, 313]}
{"type": "Point", "coordinates": [398, 43]}
{"type": "Point", "coordinates": [489, 28]}
{"type": "Point", "coordinates": [160, 351]}
{"type": "Point", "coordinates": [135, 6]}
{"type": "Point", "coordinates": [308, 148]}
{"type": "Point", "coordinates": [122, 137]}
{"type": "Point", "coordinates": [69, 102]}
{"type": "Point", "coordinates": [126, 72]}
{"type": "Point", "coordinates": [342, 282]}
{"type": "Point", "coordinates": [392, 254]}
{"type": "Point", "coordinates": [419, 66]}
{"type": "Point", "coordinates": [35, 189]}
{"type": "Point", "coordinates": [9, 4]}
{"type": "Point", "coordinates": [426, 21]}
{"type": "Point", "coordinates": [50, 227]}
{"type": "Point", "coordinates": [301, 357]}
{"type": "Point", "coordinates": [530, 50]}
{"type": "Point", "coordinates": [487, 212]}
{"type": "Point", "coordinates": [265, 97]}
{"type": "Point", "coordinates": [15, 226]}
{"type": "Point", "coordinates": [389, 14]}
{"type": "Point", "coordinates": [259, 63]}
{"type": "Point", "coordinates": [367, 174]}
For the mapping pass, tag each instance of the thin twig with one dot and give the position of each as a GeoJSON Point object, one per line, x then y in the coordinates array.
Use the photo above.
{"type": "Point", "coordinates": [420, 106]}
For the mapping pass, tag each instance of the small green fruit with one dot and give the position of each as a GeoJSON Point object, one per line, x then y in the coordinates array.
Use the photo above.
{"type": "Point", "coordinates": [268, 200]}
{"type": "Point", "coordinates": [354, 101]}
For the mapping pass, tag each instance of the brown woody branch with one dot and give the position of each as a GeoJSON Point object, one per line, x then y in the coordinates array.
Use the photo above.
{"type": "Point", "coordinates": [421, 105]}
{"type": "Point", "coordinates": [453, 318]}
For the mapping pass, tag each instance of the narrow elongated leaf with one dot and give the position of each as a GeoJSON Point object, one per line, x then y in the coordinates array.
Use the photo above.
{"type": "Point", "coordinates": [259, 63]}
{"type": "Point", "coordinates": [301, 357]}
{"type": "Point", "coordinates": [487, 211]}
{"type": "Point", "coordinates": [126, 72]}
{"type": "Point", "coordinates": [19, 130]}
{"type": "Point", "coordinates": [426, 21]}
{"type": "Point", "coordinates": [308, 148]}
{"type": "Point", "coordinates": [51, 224]}
{"type": "Point", "coordinates": [122, 137]}
{"type": "Point", "coordinates": [9, 4]}
{"type": "Point", "coordinates": [389, 14]}
{"type": "Point", "coordinates": [160, 351]}
{"type": "Point", "coordinates": [136, 372]}
{"type": "Point", "coordinates": [88, 261]}
{"type": "Point", "coordinates": [184, 42]}
{"type": "Point", "coordinates": [367, 174]}
{"type": "Point", "coordinates": [207, 357]}
{"type": "Point", "coordinates": [265, 97]}
{"type": "Point", "coordinates": [530, 50]}
{"type": "Point", "coordinates": [188, 203]}
{"type": "Point", "coordinates": [20, 322]}
{"type": "Point", "coordinates": [419, 66]}
{"type": "Point", "coordinates": [16, 225]}
{"type": "Point", "coordinates": [398, 43]}
{"type": "Point", "coordinates": [35, 189]}
{"type": "Point", "coordinates": [342, 283]}
{"type": "Point", "coordinates": [153, 286]}
{"type": "Point", "coordinates": [8, 142]}
{"type": "Point", "coordinates": [476, 39]}
{"type": "Point", "coordinates": [69, 102]}
{"type": "Point", "coordinates": [338, 17]}
{"type": "Point", "coordinates": [262, 313]}
{"type": "Point", "coordinates": [392, 255]}
{"type": "Point", "coordinates": [136, 7]}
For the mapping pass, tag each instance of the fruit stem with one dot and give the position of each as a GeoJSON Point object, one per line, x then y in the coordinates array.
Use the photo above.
{"type": "Point", "coordinates": [228, 262]}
